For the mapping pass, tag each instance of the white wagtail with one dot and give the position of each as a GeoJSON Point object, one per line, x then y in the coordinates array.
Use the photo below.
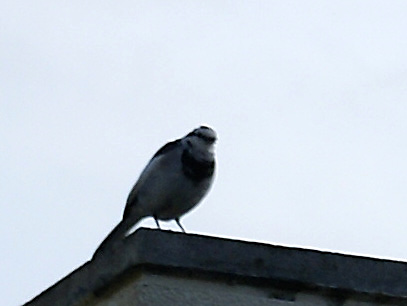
{"type": "Point", "coordinates": [178, 176]}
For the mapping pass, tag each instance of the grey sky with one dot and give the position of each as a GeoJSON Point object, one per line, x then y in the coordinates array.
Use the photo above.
{"type": "Point", "coordinates": [308, 99]}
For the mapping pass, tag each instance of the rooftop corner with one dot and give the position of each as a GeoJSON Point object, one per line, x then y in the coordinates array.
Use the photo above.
{"type": "Point", "coordinates": [152, 266]}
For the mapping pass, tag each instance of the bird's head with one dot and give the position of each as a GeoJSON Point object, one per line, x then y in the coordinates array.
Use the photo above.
{"type": "Point", "coordinates": [201, 139]}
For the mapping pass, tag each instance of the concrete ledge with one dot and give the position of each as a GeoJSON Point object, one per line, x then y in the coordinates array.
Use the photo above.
{"type": "Point", "coordinates": [231, 260]}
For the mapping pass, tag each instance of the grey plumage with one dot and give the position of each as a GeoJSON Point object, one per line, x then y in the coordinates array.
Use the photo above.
{"type": "Point", "coordinates": [177, 177]}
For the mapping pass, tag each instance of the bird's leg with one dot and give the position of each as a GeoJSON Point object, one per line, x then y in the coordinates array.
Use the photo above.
{"type": "Point", "coordinates": [156, 222]}
{"type": "Point", "coordinates": [179, 224]}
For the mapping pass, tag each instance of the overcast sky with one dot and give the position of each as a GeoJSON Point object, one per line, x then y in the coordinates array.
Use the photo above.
{"type": "Point", "coordinates": [309, 99]}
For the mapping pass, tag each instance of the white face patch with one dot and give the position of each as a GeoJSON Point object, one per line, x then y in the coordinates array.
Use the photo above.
{"type": "Point", "coordinates": [201, 143]}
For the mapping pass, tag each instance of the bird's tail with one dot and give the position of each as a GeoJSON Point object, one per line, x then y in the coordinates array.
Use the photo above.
{"type": "Point", "coordinates": [117, 235]}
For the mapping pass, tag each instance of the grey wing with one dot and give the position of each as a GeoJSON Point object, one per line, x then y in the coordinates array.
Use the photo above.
{"type": "Point", "coordinates": [132, 198]}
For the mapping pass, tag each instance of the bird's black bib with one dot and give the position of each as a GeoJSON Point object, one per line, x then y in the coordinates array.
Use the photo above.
{"type": "Point", "coordinates": [196, 170]}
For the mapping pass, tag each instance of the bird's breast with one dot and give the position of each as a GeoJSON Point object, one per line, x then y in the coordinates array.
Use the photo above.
{"type": "Point", "coordinates": [173, 187]}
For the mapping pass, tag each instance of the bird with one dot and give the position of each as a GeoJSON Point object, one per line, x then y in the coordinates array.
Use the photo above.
{"type": "Point", "coordinates": [174, 181]}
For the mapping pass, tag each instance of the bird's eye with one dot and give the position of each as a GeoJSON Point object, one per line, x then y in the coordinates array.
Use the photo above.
{"type": "Point", "coordinates": [189, 143]}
